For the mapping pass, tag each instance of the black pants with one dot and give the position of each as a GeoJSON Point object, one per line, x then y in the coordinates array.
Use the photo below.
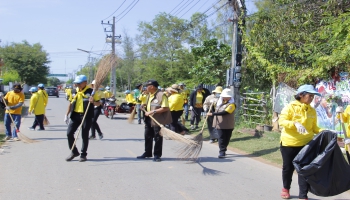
{"type": "Point", "coordinates": [174, 125]}
{"type": "Point", "coordinates": [152, 133]}
{"type": "Point", "coordinates": [103, 101]}
{"type": "Point", "coordinates": [288, 154]}
{"type": "Point", "coordinates": [39, 120]}
{"type": "Point", "coordinates": [212, 131]}
{"type": "Point", "coordinates": [196, 115]}
{"type": "Point", "coordinates": [95, 127]}
{"type": "Point", "coordinates": [224, 139]}
{"type": "Point", "coordinates": [75, 121]}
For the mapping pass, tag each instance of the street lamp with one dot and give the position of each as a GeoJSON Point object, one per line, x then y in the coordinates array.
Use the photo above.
{"type": "Point", "coordinates": [90, 65]}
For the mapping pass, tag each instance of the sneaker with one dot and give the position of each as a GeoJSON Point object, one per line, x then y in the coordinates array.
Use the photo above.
{"type": "Point", "coordinates": [83, 159]}
{"type": "Point", "coordinates": [192, 127]}
{"type": "Point", "coordinates": [31, 128]}
{"type": "Point", "coordinates": [72, 156]}
{"type": "Point", "coordinates": [211, 141]}
{"type": "Point", "coordinates": [40, 130]}
{"type": "Point", "coordinates": [16, 139]}
{"type": "Point", "coordinates": [222, 155]}
{"type": "Point", "coordinates": [92, 137]}
{"type": "Point", "coordinates": [101, 136]}
{"type": "Point", "coordinates": [196, 127]}
{"type": "Point", "coordinates": [157, 159]}
{"type": "Point", "coordinates": [7, 138]}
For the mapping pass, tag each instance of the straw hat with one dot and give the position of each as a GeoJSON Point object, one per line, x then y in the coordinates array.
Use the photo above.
{"type": "Point", "coordinates": [226, 93]}
{"type": "Point", "coordinates": [170, 89]}
{"type": "Point", "coordinates": [218, 89]}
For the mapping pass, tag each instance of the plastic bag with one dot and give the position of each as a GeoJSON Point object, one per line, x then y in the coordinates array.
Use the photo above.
{"type": "Point", "coordinates": [323, 165]}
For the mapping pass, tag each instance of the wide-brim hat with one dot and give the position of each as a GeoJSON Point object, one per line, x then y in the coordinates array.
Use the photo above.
{"type": "Point", "coordinates": [309, 89]}
{"type": "Point", "coordinates": [226, 93]}
{"type": "Point", "coordinates": [170, 89]}
{"type": "Point", "coordinates": [218, 89]}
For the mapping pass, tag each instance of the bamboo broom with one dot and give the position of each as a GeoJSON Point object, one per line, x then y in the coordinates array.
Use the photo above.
{"type": "Point", "coordinates": [192, 152]}
{"type": "Point", "coordinates": [19, 134]}
{"type": "Point", "coordinates": [132, 116]}
{"type": "Point", "coordinates": [102, 72]}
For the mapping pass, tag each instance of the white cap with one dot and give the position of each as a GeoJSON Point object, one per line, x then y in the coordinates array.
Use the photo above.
{"type": "Point", "coordinates": [226, 93]}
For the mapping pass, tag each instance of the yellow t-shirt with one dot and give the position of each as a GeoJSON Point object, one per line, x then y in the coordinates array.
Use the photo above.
{"type": "Point", "coordinates": [164, 103]}
{"type": "Point", "coordinates": [185, 93]}
{"type": "Point", "coordinates": [80, 97]}
{"type": "Point", "coordinates": [102, 94]}
{"type": "Point", "coordinates": [199, 99]}
{"type": "Point", "coordinates": [143, 98]}
{"type": "Point", "coordinates": [176, 102]}
{"type": "Point", "coordinates": [107, 94]}
{"type": "Point", "coordinates": [129, 98]}
{"type": "Point", "coordinates": [12, 100]}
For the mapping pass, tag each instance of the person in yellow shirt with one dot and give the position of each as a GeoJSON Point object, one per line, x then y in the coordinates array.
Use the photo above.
{"type": "Point", "coordinates": [97, 111]}
{"type": "Point", "coordinates": [185, 94]}
{"type": "Point", "coordinates": [129, 98]}
{"type": "Point", "coordinates": [43, 93]}
{"type": "Point", "coordinates": [69, 93]}
{"type": "Point", "coordinates": [197, 99]}
{"type": "Point", "coordinates": [137, 94]}
{"type": "Point", "coordinates": [108, 93]}
{"type": "Point", "coordinates": [103, 99]}
{"type": "Point", "coordinates": [223, 120]}
{"type": "Point", "coordinates": [176, 103]}
{"type": "Point", "coordinates": [299, 122]}
{"type": "Point", "coordinates": [143, 99]}
{"type": "Point", "coordinates": [77, 109]}
{"type": "Point", "coordinates": [15, 100]}
{"type": "Point", "coordinates": [37, 106]}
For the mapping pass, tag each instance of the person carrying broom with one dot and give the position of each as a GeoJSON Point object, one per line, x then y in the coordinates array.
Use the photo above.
{"type": "Point", "coordinates": [157, 106]}
{"type": "Point", "coordinates": [76, 111]}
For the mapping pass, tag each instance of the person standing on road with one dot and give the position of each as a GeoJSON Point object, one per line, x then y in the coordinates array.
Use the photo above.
{"type": "Point", "coordinates": [107, 92]}
{"type": "Point", "coordinates": [42, 92]}
{"type": "Point", "coordinates": [212, 99]}
{"type": "Point", "coordinates": [137, 95]}
{"type": "Point", "coordinates": [143, 99]}
{"type": "Point", "coordinates": [103, 100]}
{"type": "Point", "coordinates": [223, 120]}
{"type": "Point", "coordinates": [157, 106]}
{"type": "Point", "coordinates": [185, 94]}
{"type": "Point", "coordinates": [176, 108]}
{"type": "Point", "coordinates": [197, 99]}
{"type": "Point", "coordinates": [97, 111]}
{"type": "Point", "coordinates": [299, 122]}
{"type": "Point", "coordinates": [76, 110]}
{"type": "Point", "coordinates": [15, 100]}
{"type": "Point", "coordinates": [37, 106]}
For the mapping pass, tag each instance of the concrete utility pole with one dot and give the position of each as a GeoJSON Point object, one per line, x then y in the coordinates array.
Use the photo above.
{"type": "Point", "coordinates": [113, 40]}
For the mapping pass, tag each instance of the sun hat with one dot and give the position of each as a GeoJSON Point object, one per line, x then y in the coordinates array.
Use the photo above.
{"type": "Point", "coordinates": [40, 85]}
{"type": "Point", "coordinates": [309, 89]}
{"type": "Point", "coordinates": [226, 93]}
{"type": "Point", "coordinates": [33, 89]}
{"type": "Point", "coordinates": [171, 89]}
{"type": "Point", "coordinates": [107, 88]}
{"type": "Point", "coordinates": [127, 92]}
{"type": "Point", "coordinates": [80, 79]}
{"type": "Point", "coordinates": [218, 89]}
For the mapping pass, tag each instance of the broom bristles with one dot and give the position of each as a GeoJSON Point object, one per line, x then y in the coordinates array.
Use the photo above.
{"type": "Point", "coordinates": [191, 152]}
{"type": "Point", "coordinates": [46, 121]}
{"type": "Point", "coordinates": [132, 116]}
{"type": "Point", "coordinates": [25, 138]}
{"type": "Point", "coordinates": [104, 68]}
{"type": "Point", "coordinates": [175, 136]}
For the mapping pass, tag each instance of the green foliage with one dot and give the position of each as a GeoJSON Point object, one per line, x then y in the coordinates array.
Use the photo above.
{"type": "Point", "coordinates": [30, 61]}
{"type": "Point", "coordinates": [212, 61]}
{"type": "Point", "coordinates": [53, 81]}
{"type": "Point", "coordinates": [70, 81]}
{"type": "Point", "coordinates": [10, 76]}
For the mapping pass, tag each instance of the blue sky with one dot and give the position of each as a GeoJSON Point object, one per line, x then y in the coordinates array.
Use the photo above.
{"type": "Point", "coordinates": [62, 26]}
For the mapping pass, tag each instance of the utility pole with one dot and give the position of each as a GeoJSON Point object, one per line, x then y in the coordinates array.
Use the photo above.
{"type": "Point", "coordinates": [113, 40]}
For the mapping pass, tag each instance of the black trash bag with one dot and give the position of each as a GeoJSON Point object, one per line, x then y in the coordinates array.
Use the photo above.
{"type": "Point", "coordinates": [323, 165]}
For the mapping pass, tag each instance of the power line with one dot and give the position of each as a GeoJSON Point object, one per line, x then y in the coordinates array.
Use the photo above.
{"type": "Point", "coordinates": [126, 9]}
{"type": "Point", "coordinates": [179, 10]}
{"type": "Point", "coordinates": [176, 6]}
{"type": "Point", "coordinates": [115, 10]}
{"type": "Point", "coordinates": [202, 5]}
{"type": "Point", "coordinates": [190, 8]}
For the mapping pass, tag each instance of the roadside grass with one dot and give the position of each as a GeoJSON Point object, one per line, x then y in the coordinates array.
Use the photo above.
{"type": "Point", "coordinates": [250, 142]}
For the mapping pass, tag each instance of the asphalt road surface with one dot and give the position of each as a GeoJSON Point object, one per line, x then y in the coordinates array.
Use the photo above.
{"type": "Point", "coordinates": [39, 170]}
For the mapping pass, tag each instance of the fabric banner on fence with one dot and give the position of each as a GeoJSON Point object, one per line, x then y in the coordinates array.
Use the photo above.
{"type": "Point", "coordinates": [284, 95]}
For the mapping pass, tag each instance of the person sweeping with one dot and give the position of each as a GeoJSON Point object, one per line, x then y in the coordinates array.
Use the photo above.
{"type": "Point", "coordinates": [37, 106]}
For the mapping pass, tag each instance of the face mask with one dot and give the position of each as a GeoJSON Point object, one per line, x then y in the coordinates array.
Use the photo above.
{"type": "Point", "coordinates": [217, 95]}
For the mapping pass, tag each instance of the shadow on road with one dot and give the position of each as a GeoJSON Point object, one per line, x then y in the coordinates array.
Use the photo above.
{"type": "Point", "coordinates": [51, 138]}
{"type": "Point", "coordinates": [126, 139]}
{"type": "Point", "coordinates": [210, 172]}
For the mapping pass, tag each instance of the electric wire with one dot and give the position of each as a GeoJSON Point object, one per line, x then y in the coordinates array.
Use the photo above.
{"type": "Point", "coordinates": [190, 8]}
{"type": "Point", "coordinates": [176, 7]}
{"type": "Point", "coordinates": [179, 10]}
{"type": "Point", "coordinates": [132, 4]}
{"type": "Point", "coordinates": [115, 11]}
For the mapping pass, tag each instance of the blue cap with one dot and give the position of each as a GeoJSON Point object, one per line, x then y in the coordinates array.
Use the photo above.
{"type": "Point", "coordinates": [107, 88]}
{"type": "Point", "coordinates": [127, 91]}
{"type": "Point", "coordinates": [33, 89]}
{"type": "Point", "coordinates": [80, 79]}
{"type": "Point", "coordinates": [309, 89]}
{"type": "Point", "coordinates": [101, 89]}
{"type": "Point", "coordinates": [40, 85]}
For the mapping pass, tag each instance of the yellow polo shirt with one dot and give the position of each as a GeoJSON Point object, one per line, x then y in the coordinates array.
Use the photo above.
{"type": "Point", "coordinates": [176, 102]}
{"type": "Point", "coordinates": [164, 104]}
{"type": "Point", "coordinates": [12, 100]}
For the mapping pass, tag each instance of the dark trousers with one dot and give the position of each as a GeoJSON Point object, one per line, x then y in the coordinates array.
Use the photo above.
{"type": "Point", "coordinates": [196, 115]}
{"type": "Point", "coordinates": [39, 120]}
{"type": "Point", "coordinates": [95, 127]}
{"type": "Point", "coordinates": [224, 139]}
{"type": "Point", "coordinates": [174, 125]}
{"type": "Point", "coordinates": [152, 133]}
{"type": "Point", "coordinates": [212, 131]}
{"type": "Point", "coordinates": [288, 154]}
{"type": "Point", "coordinates": [73, 126]}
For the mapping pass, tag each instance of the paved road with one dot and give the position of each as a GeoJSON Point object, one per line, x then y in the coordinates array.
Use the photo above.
{"type": "Point", "coordinates": [39, 171]}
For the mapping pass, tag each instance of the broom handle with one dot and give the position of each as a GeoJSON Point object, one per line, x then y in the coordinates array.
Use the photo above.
{"type": "Point", "coordinates": [3, 99]}
{"type": "Point", "coordinates": [206, 118]}
{"type": "Point", "coordinates": [152, 118]}
{"type": "Point", "coordinates": [80, 126]}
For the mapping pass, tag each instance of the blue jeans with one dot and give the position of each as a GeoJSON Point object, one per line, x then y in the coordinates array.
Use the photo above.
{"type": "Point", "coordinates": [186, 110]}
{"type": "Point", "coordinates": [138, 110]}
{"type": "Point", "coordinates": [17, 119]}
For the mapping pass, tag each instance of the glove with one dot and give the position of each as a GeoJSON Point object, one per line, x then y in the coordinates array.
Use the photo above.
{"type": "Point", "coordinates": [191, 107]}
{"type": "Point", "coordinates": [66, 119]}
{"type": "Point", "coordinates": [300, 128]}
{"type": "Point", "coordinates": [205, 109]}
{"type": "Point", "coordinates": [339, 109]}
{"type": "Point", "coordinates": [7, 108]}
{"type": "Point", "coordinates": [347, 141]}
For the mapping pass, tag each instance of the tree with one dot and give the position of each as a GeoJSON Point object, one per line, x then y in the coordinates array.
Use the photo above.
{"type": "Point", "coordinates": [53, 81]}
{"type": "Point", "coordinates": [29, 61]}
{"type": "Point", "coordinates": [211, 62]}
{"type": "Point", "coordinates": [10, 76]}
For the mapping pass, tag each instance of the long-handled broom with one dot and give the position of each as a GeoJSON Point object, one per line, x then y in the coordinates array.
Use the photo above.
{"type": "Point", "coordinates": [132, 116]}
{"type": "Point", "coordinates": [19, 134]}
{"type": "Point", "coordinates": [192, 152]}
{"type": "Point", "coordinates": [102, 72]}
